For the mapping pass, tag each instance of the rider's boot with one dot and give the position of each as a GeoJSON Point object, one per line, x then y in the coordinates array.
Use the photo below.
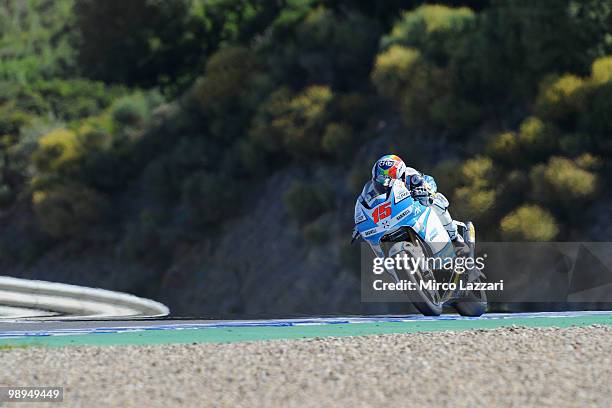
{"type": "Point", "coordinates": [461, 247]}
{"type": "Point", "coordinates": [440, 206]}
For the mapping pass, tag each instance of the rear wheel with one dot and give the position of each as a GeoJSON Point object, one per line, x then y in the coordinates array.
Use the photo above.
{"type": "Point", "coordinates": [471, 308]}
{"type": "Point", "coordinates": [472, 304]}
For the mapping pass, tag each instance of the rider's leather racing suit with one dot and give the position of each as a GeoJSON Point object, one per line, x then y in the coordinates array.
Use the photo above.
{"type": "Point", "coordinates": [424, 189]}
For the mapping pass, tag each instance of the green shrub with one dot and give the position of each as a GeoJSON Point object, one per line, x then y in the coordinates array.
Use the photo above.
{"type": "Point", "coordinates": [129, 112]}
{"type": "Point", "coordinates": [133, 110]}
{"type": "Point", "coordinates": [305, 202]}
{"type": "Point", "coordinates": [426, 96]}
{"type": "Point", "coordinates": [394, 69]}
{"type": "Point", "coordinates": [310, 43]}
{"type": "Point", "coordinates": [451, 112]}
{"type": "Point", "coordinates": [337, 139]}
{"type": "Point", "coordinates": [536, 138]}
{"type": "Point", "coordinates": [534, 141]}
{"type": "Point", "coordinates": [474, 203]}
{"type": "Point", "coordinates": [601, 70]}
{"type": "Point", "coordinates": [517, 44]}
{"type": "Point", "coordinates": [69, 210]}
{"type": "Point", "coordinates": [90, 156]}
{"type": "Point", "coordinates": [264, 132]}
{"type": "Point", "coordinates": [296, 121]}
{"type": "Point", "coordinates": [226, 79]}
{"type": "Point", "coordinates": [23, 98]}
{"type": "Point", "coordinates": [562, 98]}
{"type": "Point", "coordinates": [229, 91]}
{"type": "Point", "coordinates": [35, 40]}
{"type": "Point", "coordinates": [421, 68]}
{"type": "Point", "coordinates": [529, 223]}
{"type": "Point", "coordinates": [423, 92]}
{"type": "Point", "coordinates": [478, 171]}
{"type": "Point", "coordinates": [475, 199]}
{"type": "Point", "coordinates": [587, 161]}
{"type": "Point", "coordinates": [140, 42]}
{"type": "Point", "coordinates": [56, 150]}
{"type": "Point", "coordinates": [354, 108]}
{"type": "Point", "coordinates": [12, 119]}
{"type": "Point", "coordinates": [505, 147]}
{"type": "Point", "coordinates": [76, 98]}
{"type": "Point", "coordinates": [27, 141]}
{"type": "Point", "coordinates": [435, 29]}
{"type": "Point", "coordinates": [562, 181]}
{"type": "Point", "coordinates": [307, 115]}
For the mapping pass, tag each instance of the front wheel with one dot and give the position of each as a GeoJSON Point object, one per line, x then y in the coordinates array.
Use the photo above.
{"type": "Point", "coordinates": [428, 302]}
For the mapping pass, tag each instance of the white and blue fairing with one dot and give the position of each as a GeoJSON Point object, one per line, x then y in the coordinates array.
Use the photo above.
{"type": "Point", "coordinates": [405, 212]}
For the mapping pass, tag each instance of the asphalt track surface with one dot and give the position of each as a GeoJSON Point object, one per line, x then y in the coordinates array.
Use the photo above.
{"type": "Point", "coordinates": [145, 332]}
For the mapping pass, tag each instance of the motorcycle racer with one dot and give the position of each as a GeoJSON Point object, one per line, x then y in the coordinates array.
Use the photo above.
{"type": "Point", "coordinates": [390, 169]}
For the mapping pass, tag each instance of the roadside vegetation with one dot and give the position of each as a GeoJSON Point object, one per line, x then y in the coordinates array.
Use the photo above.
{"type": "Point", "coordinates": [146, 124]}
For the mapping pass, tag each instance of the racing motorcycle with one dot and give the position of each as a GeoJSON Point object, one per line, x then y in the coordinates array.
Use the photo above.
{"type": "Point", "coordinates": [397, 224]}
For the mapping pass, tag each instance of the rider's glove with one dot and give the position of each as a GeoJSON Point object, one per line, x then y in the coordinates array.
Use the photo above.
{"type": "Point", "coordinates": [420, 190]}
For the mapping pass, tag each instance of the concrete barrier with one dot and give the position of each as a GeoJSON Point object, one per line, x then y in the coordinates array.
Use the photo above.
{"type": "Point", "coordinates": [70, 301]}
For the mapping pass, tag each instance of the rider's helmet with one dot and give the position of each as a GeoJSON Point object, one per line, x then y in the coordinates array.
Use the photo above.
{"type": "Point", "coordinates": [386, 170]}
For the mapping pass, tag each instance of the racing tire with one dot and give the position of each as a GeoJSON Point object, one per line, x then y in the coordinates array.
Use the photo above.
{"type": "Point", "coordinates": [425, 301]}
{"type": "Point", "coordinates": [473, 306]}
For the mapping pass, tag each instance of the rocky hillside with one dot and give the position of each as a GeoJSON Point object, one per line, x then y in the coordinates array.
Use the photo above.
{"type": "Point", "coordinates": [212, 160]}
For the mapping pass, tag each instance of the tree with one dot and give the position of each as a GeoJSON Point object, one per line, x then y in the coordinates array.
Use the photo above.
{"type": "Point", "coordinates": [138, 42]}
{"type": "Point", "coordinates": [307, 44]}
{"type": "Point", "coordinates": [69, 210]}
{"type": "Point", "coordinates": [522, 40]}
